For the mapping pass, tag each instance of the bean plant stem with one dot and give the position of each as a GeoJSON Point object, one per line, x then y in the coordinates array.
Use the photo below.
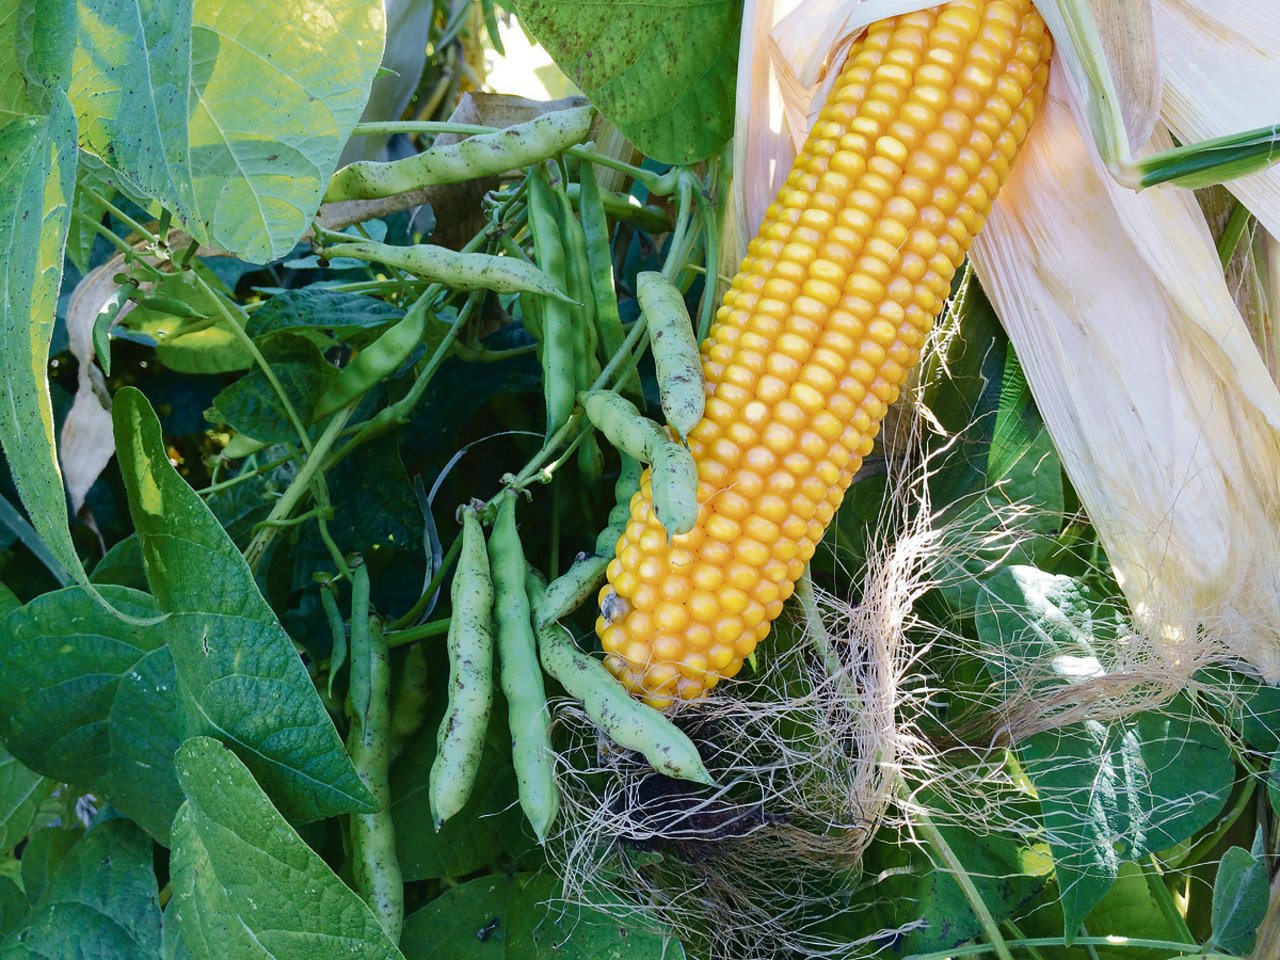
{"type": "Point", "coordinates": [423, 631]}
{"type": "Point", "coordinates": [296, 490]}
{"type": "Point", "coordinates": [403, 623]}
{"type": "Point", "coordinates": [116, 212]}
{"type": "Point", "coordinates": [977, 949]}
{"type": "Point", "coordinates": [962, 879]}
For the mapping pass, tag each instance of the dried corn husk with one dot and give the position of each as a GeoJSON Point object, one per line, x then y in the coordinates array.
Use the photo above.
{"type": "Point", "coordinates": [1164, 414]}
{"type": "Point", "coordinates": [1222, 66]}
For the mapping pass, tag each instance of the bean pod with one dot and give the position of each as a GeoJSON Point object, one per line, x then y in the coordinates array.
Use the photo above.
{"type": "Point", "coordinates": [460, 742]}
{"type": "Point", "coordinates": [675, 351]}
{"type": "Point", "coordinates": [625, 720]}
{"type": "Point", "coordinates": [531, 750]}
{"type": "Point", "coordinates": [483, 155]}
{"type": "Point", "coordinates": [377, 361]}
{"type": "Point", "coordinates": [460, 271]}
{"type": "Point", "coordinates": [559, 373]}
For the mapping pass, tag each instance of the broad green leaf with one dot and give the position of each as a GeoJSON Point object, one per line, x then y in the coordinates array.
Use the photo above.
{"type": "Point", "coordinates": [191, 346]}
{"type": "Point", "coordinates": [245, 885]}
{"type": "Point", "coordinates": [1024, 615]}
{"type": "Point", "coordinates": [488, 829]}
{"type": "Point", "coordinates": [36, 40]}
{"type": "Point", "coordinates": [90, 699]}
{"type": "Point", "coordinates": [100, 904]}
{"type": "Point", "coordinates": [1240, 895]}
{"type": "Point", "coordinates": [373, 500]}
{"type": "Point", "coordinates": [518, 918]}
{"type": "Point", "coordinates": [122, 565]}
{"type": "Point", "coordinates": [231, 113]}
{"type": "Point", "coordinates": [1129, 909]}
{"type": "Point", "coordinates": [22, 790]}
{"type": "Point", "coordinates": [15, 101]}
{"type": "Point", "coordinates": [1023, 468]}
{"type": "Point", "coordinates": [1006, 874]}
{"type": "Point", "coordinates": [315, 308]}
{"type": "Point", "coordinates": [1273, 783]}
{"type": "Point", "coordinates": [13, 906]}
{"type": "Point", "coordinates": [251, 405]}
{"type": "Point", "coordinates": [239, 676]}
{"type": "Point", "coordinates": [663, 72]}
{"type": "Point", "coordinates": [37, 177]}
{"type": "Point", "coordinates": [42, 856]}
{"type": "Point", "coordinates": [1119, 791]}
{"type": "Point", "coordinates": [8, 600]}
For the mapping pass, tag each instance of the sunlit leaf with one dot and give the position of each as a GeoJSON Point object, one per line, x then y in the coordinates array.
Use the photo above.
{"type": "Point", "coordinates": [663, 73]}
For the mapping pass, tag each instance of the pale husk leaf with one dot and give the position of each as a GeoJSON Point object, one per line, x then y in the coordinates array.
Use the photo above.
{"type": "Point", "coordinates": [1222, 71]}
{"type": "Point", "coordinates": [1127, 30]}
{"type": "Point", "coordinates": [1160, 406]}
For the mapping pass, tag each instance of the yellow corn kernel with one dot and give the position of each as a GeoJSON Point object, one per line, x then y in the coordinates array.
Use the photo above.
{"type": "Point", "coordinates": [816, 334]}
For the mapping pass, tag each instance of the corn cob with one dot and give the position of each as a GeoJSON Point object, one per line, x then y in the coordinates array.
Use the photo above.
{"type": "Point", "coordinates": [828, 312]}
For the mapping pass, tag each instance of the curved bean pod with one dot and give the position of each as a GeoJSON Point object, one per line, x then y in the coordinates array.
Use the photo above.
{"type": "Point", "coordinates": [461, 271]}
{"type": "Point", "coordinates": [625, 720]}
{"type": "Point", "coordinates": [623, 425]}
{"type": "Point", "coordinates": [568, 591]}
{"type": "Point", "coordinates": [377, 361]}
{"type": "Point", "coordinates": [674, 483]}
{"type": "Point", "coordinates": [375, 866]}
{"type": "Point", "coordinates": [675, 351]}
{"type": "Point", "coordinates": [483, 155]}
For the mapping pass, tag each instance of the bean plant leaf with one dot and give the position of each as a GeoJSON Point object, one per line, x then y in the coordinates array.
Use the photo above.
{"type": "Point", "coordinates": [91, 699]}
{"type": "Point", "coordinates": [13, 906]}
{"type": "Point", "coordinates": [42, 856]}
{"type": "Point", "coordinates": [231, 113]}
{"type": "Point", "coordinates": [1109, 793]}
{"type": "Point", "coordinates": [663, 72]}
{"type": "Point", "coordinates": [245, 885]}
{"type": "Point", "coordinates": [22, 790]}
{"type": "Point", "coordinates": [37, 178]}
{"type": "Point", "coordinates": [519, 918]}
{"type": "Point", "coordinates": [1120, 791]}
{"type": "Point", "coordinates": [240, 678]}
{"type": "Point", "coordinates": [315, 308]}
{"type": "Point", "coordinates": [15, 101]}
{"type": "Point", "coordinates": [1240, 895]}
{"type": "Point", "coordinates": [100, 904]}
{"type": "Point", "coordinates": [251, 405]}
{"type": "Point", "coordinates": [1273, 783]}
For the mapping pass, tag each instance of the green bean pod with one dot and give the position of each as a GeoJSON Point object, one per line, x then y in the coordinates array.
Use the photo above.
{"type": "Point", "coordinates": [681, 387]}
{"type": "Point", "coordinates": [623, 425]}
{"type": "Point", "coordinates": [410, 699]}
{"type": "Point", "coordinates": [585, 362]}
{"type": "Point", "coordinates": [595, 231]}
{"type": "Point", "coordinates": [460, 271]}
{"type": "Point", "coordinates": [620, 206]}
{"type": "Point", "coordinates": [460, 741]}
{"type": "Point", "coordinates": [674, 481]}
{"type": "Point", "coordinates": [375, 866]}
{"type": "Point", "coordinates": [377, 361]}
{"type": "Point", "coordinates": [482, 155]}
{"type": "Point", "coordinates": [625, 720]}
{"type": "Point", "coordinates": [568, 591]}
{"type": "Point", "coordinates": [531, 750]}
{"type": "Point", "coordinates": [625, 487]}
{"type": "Point", "coordinates": [559, 374]}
